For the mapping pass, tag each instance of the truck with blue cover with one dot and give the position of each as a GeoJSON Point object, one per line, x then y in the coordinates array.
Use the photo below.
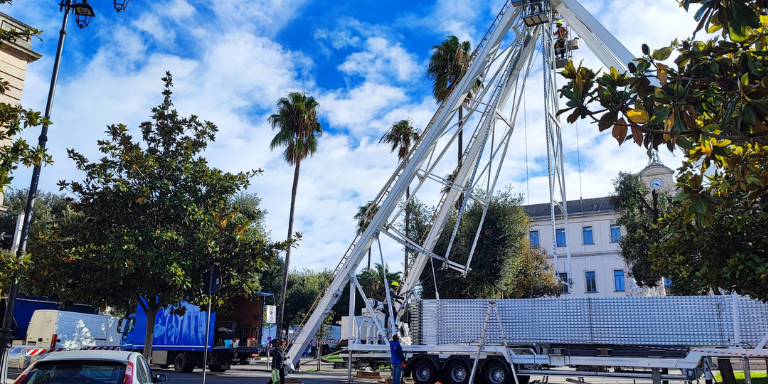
{"type": "Point", "coordinates": [180, 334]}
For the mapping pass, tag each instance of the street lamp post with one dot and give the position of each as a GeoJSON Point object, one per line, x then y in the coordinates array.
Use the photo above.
{"type": "Point", "coordinates": [83, 15]}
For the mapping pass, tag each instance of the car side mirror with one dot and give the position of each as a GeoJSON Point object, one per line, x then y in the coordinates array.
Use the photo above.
{"type": "Point", "coordinates": [160, 378]}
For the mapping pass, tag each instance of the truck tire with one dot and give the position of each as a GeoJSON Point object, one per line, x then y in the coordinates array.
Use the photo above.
{"type": "Point", "coordinates": [458, 371]}
{"type": "Point", "coordinates": [181, 364]}
{"type": "Point", "coordinates": [424, 371]}
{"type": "Point", "coordinates": [495, 372]}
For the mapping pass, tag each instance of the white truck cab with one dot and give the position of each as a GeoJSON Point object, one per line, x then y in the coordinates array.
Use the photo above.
{"type": "Point", "coordinates": [70, 330]}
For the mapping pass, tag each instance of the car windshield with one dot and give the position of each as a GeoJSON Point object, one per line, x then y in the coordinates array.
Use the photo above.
{"type": "Point", "coordinates": [70, 372]}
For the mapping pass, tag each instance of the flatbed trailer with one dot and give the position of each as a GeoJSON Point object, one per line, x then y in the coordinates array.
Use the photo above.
{"type": "Point", "coordinates": [501, 341]}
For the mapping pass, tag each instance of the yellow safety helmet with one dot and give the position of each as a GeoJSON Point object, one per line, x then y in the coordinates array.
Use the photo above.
{"type": "Point", "coordinates": [395, 284]}
{"type": "Point", "coordinates": [559, 22]}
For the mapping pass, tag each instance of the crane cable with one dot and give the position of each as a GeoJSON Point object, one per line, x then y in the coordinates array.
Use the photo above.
{"type": "Point", "coordinates": [525, 131]}
{"type": "Point", "coordinates": [578, 157]}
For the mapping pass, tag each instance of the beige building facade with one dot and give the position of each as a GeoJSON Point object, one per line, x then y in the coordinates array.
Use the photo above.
{"type": "Point", "coordinates": [14, 57]}
{"type": "Point", "coordinates": [596, 267]}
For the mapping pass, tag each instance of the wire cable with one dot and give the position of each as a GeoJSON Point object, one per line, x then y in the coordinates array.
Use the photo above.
{"type": "Point", "coordinates": [578, 157]}
{"type": "Point", "coordinates": [525, 131]}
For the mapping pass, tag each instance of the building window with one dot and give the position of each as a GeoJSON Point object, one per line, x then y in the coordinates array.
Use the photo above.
{"type": "Point", "coordinates": [564, 281]}
{"type": "Point", "coordinates": [587, 232]}
{"type": "Point", "coordinates": [615, 233]}
{"type": "Point", "coordinates": [618, 280]}
{"type": "Point", "coordinates": [534, 236]}
{"type": "Point", "coordinates": [591, 281]}
{"type": "Point", "coordinates": [560, 235]}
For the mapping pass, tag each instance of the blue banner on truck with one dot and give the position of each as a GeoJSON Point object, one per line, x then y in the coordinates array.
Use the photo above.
{"type": "Point", "coordinates": [172, 331]}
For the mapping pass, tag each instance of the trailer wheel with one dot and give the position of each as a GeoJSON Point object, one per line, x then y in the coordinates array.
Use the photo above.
{"type": "Point", "coordinates": [424, 372]}
{"type": "Point", "coordinates": [458, 371]}
{"type": "Point", "coordinates": [181, 365]}
{"type": "Point", "coordinates": [494, 372]}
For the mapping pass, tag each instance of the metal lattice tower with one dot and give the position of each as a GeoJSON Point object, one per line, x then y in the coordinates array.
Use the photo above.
{"type": "Point", "coordinates": [502, 61]}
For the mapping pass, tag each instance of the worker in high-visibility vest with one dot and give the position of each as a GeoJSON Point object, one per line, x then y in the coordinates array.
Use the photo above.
{"type": "Point", "coordinates": [393, 297]}
{"type": "Point", "coordinates": [561, 33]}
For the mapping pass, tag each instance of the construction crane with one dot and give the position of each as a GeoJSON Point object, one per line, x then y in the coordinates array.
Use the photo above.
{"type": "Point", "coordinates": [503, 61]}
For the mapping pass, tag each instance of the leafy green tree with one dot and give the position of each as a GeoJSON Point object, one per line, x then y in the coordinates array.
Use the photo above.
{"type": "Point", "coordinates": [272, 277]}
{"type": "Point", "coordinates": [530, 275]}
{"type": "Point", "coordinates": [49, 210]}
{"type": "Point", "coordinates": [401, 137]}
{"type": "Point", "coordinates": [298, 131]}
{"type": "Point", "coordinates": [710, 103]}
{"type": "Point", "coordinates": [150, 218]}
{"type": "Point", "coordinates": [420, 218]}
{"type": "Point", "coordinates": [639, 208]}
{"type": "Point", "coordinates": [499, 250]}
{"type": "Point", "coordinates": [304, 287]}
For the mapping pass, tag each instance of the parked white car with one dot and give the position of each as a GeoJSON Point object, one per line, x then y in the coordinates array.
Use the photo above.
{"type": "Point", "coordinates": [102, 367]}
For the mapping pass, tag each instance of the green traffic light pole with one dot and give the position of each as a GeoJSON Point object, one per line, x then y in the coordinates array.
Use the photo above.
{"type": "Point", "coordinates": [83, 15]}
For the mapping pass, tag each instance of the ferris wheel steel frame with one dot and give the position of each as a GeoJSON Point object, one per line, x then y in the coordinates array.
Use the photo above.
{"type": "Point", "coordinates": [503, 61]}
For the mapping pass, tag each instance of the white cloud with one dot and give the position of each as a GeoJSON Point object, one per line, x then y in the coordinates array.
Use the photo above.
{"type": "Point", "coordinates": [350, 32]}
{"type": "Point", "coordinates": [152, 25]}
{"type": "Point", "coordinates": [259, 16]}
{"type": "Point", "coordinates": [355, 109]}
{"type": "Point", "coordinates": [234, 70]}
{"type": "Point", "coordinates": [381, 60]}
{"type": "Point", "coordinates": [179, 10]}
{"type": "Point", "coordinates": [338, 38]}
{"type": "Point", "coordinates": [448, 17]}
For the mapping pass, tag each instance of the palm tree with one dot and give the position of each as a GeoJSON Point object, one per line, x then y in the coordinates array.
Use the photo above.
{"type": "Point", "coordinates": [363, 217]}
{"type": "Point", "coordinates": [401, 136]}
{"type": "Point", "coordinates": [298, 130]}
{"type": "Point", "coordinates": [372, 281]}
{"type": "Point", "coordinates": [447, 65]}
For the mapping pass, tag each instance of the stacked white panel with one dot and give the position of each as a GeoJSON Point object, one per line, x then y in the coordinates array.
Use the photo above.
{"type": "Point", "coordinates": [671, 320]}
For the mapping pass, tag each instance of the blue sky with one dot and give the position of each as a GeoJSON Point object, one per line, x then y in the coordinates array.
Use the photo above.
{"type": "Point", "coordinates": [363, 60]}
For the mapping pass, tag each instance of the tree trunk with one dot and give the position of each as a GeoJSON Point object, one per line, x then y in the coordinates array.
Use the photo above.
{"type": "Point", "coordinates": [461, 134]}
{"type": "Point", "coordinates": [407, 217]}
{"type": "Point", "coordinates": [281, 308]}
{"type": "Point", "coordinates": [151, 311]}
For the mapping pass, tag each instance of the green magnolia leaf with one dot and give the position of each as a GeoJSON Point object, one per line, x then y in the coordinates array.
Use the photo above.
{"type": "Point", "coordinates": [745, 14]}
{"type": "Point", "coordinates": [737, 26]}
{"type": "Point", "coordinates": [662, 53]}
